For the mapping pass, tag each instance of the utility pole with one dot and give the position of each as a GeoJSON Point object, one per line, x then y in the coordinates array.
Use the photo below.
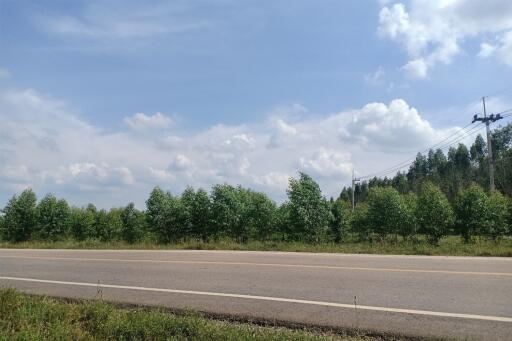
{"type": "Point", "coordinates": [354, 180]}
{"type": "Point", "coordinates": [487, 121]}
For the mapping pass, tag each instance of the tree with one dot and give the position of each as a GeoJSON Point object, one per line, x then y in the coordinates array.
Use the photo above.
{"type": "Point", "coordinates": [471, 210]}
{"type": "Point", "coordinates": [339, 223]}
{"type": "Point", "coordinates": [309, 211]}
{"type": "Point", "coordinates": [409, 206]}
{"type": "Point", "coordinates": [386, 211]}
{"type": "Point", "coordinates": [433, 213]}
{"type": "Point", "coordinates": [230, 207]}
{"type": "Point", "coordinates": [133, 223]}
{"type": "Point", "coordinates": [156, 205]}
{"type": "Point", "coordinates": [53, 218]}
{"type": "Point", "coordinates": [261, 215]}
{"type": "Point", "coordinates": [82, 222]}
{"type": "Point", "coordinates": [20, 216]}
{"type": "Point", "coordinates": [199, 211]}
{"type": "Point", "coordinates": [359, 222]}
{"type": "Point", "coordinates": [498, 215]}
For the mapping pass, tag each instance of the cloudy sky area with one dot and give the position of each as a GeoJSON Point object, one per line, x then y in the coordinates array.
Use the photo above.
{"type": "Point", "coordinates": [102, 100]}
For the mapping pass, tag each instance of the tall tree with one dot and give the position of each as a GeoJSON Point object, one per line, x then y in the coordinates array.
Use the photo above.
{"type": "Point", "coordinates": [309, 212]}
{"type": "Point", "coordinates": [20, 216]}
{"type": "Point", "coordinates": [433, 212]}
{"type": "Point", "coordinates": [53, 218]}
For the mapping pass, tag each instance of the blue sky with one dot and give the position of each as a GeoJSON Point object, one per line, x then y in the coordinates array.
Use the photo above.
{"type": "Point", "coordinates": [182, 93]}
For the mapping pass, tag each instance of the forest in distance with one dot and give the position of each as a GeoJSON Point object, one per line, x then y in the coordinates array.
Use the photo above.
{"type": "Point", "coordinates": [440, 195]}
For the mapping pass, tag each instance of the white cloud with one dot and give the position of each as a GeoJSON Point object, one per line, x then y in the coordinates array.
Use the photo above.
{"type": "Point", "coordinates": [45, 146]}
{"type": "Point", "coordinates": [377, 77]}
{"type": "Point", "coordinates": [141, 121]}
{"type": "Point", "coordinates": [433, 31]}
{"type": "Point", "coordinates": [122, 21]}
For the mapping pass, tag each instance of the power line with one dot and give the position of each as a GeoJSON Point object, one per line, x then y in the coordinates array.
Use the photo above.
{"type": "Point", "coordinates": [410, 161]}
{"type": "Point", "coordinates": [451, 139]}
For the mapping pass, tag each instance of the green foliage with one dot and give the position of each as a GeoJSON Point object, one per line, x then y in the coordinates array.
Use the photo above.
{"type": "Point", "coordinates": [199, 211]}
{"type": "Point", "coordinates": [360, 223]}
{"type": "Point", "coordinates": [133, 224]}
{"type": "Point", "coordinates": [20, 216]}
{"type": "Point", "coordinates": [340, 220]}
{"type": "Point", "coordinates": [309, 211]}
{"type": "Point", "coordinates": [387, 211]}
{"type": "Point", "coordinates": [53, 218]}
{"type": "Point", "coordinates": [471, 211]}
{"type": "Point", "coordinates": [498, 216]}
{"type": "Point", "coordinates": [82, 222]}
{"type": "Point", "coordinates": [433, 212]}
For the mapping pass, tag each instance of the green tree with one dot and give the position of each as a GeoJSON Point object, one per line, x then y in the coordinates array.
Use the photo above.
{"type": "Point", "coordinates": [309, 211]}
{"type": "Point", "coordinates": [340, 222]}
{"type": "Point", "coordinates": [498, 215]}
{"type": "Point", "coordinates": [156, 206]}
{"type": "Point", "coordinates": [230, 207]}
{"type": "Point", "coordinates": [20, 216]}
{"type": "Point", "coordinates": [262, 214]}
{"type": "Point", "coordinates": [386, 211]}
{"type": "Point", "coordinates": [433, 212]}
{"type": "Point", "coordinates": [82, 222]}
{"type": "Point", "coordinates": [471, 211]}
{"type": "Point", "coordinates": [199, 211]}
{"type": "Point", "coordinates": [53, 218]}
{"type": "Point", "coordinates": [409, 223]}
{"type": "Point", "coordinates": [133, 224]}
{"type": "Point", "coordinates": [359, 222]}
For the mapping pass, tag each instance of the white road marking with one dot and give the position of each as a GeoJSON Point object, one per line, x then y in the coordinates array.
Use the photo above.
{"type": "Point", "coordinates": [266, 298]}
{"type": "Point", "coordinates": [331, 267]}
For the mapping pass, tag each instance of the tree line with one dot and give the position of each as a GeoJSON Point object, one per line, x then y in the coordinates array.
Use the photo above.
{"type": "Point", "coordinates": [438, 196]}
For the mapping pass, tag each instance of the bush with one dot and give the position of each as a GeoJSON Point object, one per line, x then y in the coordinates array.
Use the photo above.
{"type": "Point", "coordinates": [433, 213]}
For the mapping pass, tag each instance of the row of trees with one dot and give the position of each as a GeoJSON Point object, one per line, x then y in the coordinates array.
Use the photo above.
{"type": "Point", "coordinates": [439, 195]}
{"type": "Point", "coordinates": [458, 169]}
{"type": "Point", "coordinates": [242, 215]}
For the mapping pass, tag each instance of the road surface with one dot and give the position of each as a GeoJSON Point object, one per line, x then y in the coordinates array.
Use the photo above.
{"type": "Point", "coordinates": [455, 297]}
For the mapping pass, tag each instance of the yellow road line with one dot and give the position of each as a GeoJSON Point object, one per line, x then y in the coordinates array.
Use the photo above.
{"type": "Point", "coordinates": [266, 298]}
{"type": "Point", "coordinates": [331, 267]}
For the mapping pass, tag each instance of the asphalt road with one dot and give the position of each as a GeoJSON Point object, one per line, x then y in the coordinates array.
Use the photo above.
{"type": "Point", "coordinates": [454, 297]}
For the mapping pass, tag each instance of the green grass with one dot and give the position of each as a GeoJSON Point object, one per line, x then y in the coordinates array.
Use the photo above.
{"type": "Point", "coordinates": [24, 317]}
{"type": "Point", "coordinates": [448, 246]}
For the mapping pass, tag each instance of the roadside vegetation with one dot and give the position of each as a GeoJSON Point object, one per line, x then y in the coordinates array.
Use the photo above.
{"type": "Point", "coordinates": [24, 317]}
{"type": "Point", "coordinates": [440, 206]}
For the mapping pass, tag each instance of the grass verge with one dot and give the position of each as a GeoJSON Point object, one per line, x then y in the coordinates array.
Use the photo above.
{"type": "Point", "coordinates": [448, 246]}
{"type": "Point", "coordinates": [25, 317]}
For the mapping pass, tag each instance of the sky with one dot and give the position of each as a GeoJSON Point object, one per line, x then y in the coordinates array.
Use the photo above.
{"type": "Point", "coordinates": [101, 100]}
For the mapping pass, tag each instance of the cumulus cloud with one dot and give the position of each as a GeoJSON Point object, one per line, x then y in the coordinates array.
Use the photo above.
{"type": "Point", "coordinates": [141, 121]}
{"type": "Point", "coordinates": [433, 31]}
{"type": "Point", "coordinates": [44, 145]}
